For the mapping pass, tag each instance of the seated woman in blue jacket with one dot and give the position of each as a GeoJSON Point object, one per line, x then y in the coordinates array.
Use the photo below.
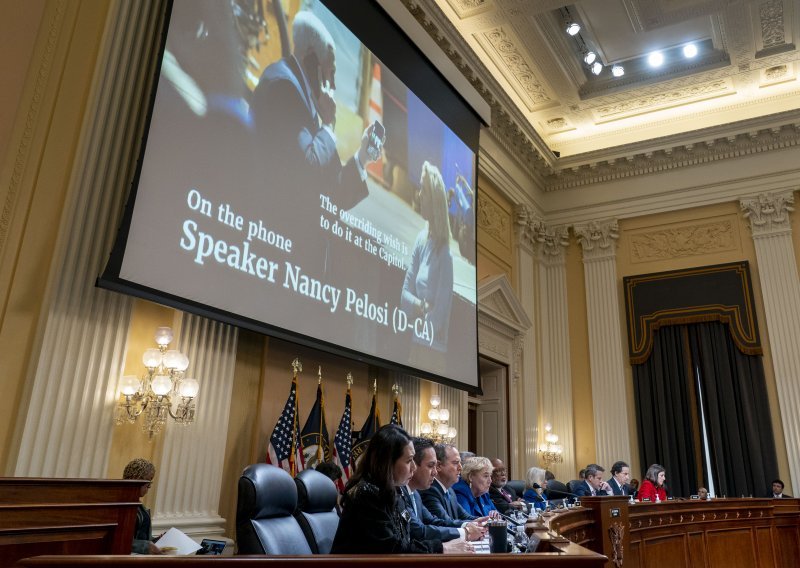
{"type": "Point", "coordinates": [472, 490]}
{"type": "Point", "coordinates": [535, 484]}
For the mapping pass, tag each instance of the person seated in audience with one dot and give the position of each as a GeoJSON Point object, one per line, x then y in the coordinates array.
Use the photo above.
{"type": "Point", "coordinates": [330, 469]}
{"type": "Point", "coordinates": [423, 522]}
{"type": "Point", "coordinates": [535, 485]}
{"type": "Point", "coordinates": [472, 490]}
{"type": "Point", "coordinates": [777, 490]}
{"type": "Point", "coordinates": [141, 469]}
{"type": "Point", "coordinates": [465, 455]}
{"type": "Point", "coordinates": [374, 517]}
{"type": "Point", "coordinates": [593, 484]}
{"type": "Point", "coordinates": [503, 496]}
{"type": "Point", "coordinates": [702, 493]}
{"type": "Point", "coordinates": [440, 499]}
{"type": "Point", "coordinates": [653, 485]}
{"type": "Point", "coordinates": [620, 476]}
{"type": "Point", "coordinates": [634, 484]}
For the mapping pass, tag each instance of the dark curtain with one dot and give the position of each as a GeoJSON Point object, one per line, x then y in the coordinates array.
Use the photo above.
{"type": "Point", "coordinates": [741, 442]}
{"type": "Point", "coordinates": [662, 387]}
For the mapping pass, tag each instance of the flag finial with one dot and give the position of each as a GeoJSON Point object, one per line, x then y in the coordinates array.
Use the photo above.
{"type": "Point", "coordinates": [395, 389]}
{"type": "Point", "coordinates": [297, 367]}
{"type": "Point", "coordinates": [319, 375]}
{"type": "Point", "coordinates": [349, 380]}
{"type": "Point", "coordinates": [374, 386]}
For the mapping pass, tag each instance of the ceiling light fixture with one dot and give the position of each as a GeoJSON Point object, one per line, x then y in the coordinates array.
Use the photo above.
{"type": "Point", "coordinates": [618, 70]}
{"type": "Point", "coordinates": [597, 67]}
{"type": "Point", "coordinates": [589, 57]}
{"type": "Point", "coordinates": [689, 50]}
{"type": "Point", "coordinates": [655, 59]}
{"type": "Point", "coordinates": [573, 28]}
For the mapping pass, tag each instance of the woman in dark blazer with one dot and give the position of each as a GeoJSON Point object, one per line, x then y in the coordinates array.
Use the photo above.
{"type": "Point", "coordinates": [374, 518]}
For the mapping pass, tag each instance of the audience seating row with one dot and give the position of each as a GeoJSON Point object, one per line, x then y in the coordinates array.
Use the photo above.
{"type": "Point", "coordinates": [276, 514]}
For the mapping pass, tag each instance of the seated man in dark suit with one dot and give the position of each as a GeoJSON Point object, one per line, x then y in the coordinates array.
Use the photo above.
{"type": "Point", "coordinates": [593, 484]}
{"type": "Point", "coordinates": [777, 490]}
{"type": "Point", "coordinates": [503, 496]}
{"type": "Point", "coordinates": [447, 528]}
{"type": "Point", "coordinates": [620, 476]}
{"type": "Point", "coordinates": [440, 499]}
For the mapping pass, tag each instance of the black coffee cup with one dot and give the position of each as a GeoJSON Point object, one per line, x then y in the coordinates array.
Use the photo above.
{"type": "Point", "coordinates": [498, 541]}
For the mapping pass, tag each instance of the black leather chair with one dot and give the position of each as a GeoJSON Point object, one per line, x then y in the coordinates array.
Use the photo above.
{"type": "Point", "coordinates": [517, 485]}
{"type": "Point", "coordinates": [264, 521]}
{"type": "Point", "coordinates": [316, 509]}
{"type": "Point", "coordinates": [557, 490]}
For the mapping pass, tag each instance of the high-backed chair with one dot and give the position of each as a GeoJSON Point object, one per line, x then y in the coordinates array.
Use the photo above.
{"type": "Point", "coordinates": [517, 485]}
{"type": "Point", "coordinates": [316, 511]}
{"type": "Point", "coordinates": [264, 521]}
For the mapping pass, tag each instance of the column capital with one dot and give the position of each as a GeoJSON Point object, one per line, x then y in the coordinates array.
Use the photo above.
{"type": "Point", "coordinates": [553, 242]}
{"type": "Point", "coordinates": [768, 213]}
{"type": "Point", "coordinates": [525, 223]}
{"type": "Point", "coordinates": [597, 238]}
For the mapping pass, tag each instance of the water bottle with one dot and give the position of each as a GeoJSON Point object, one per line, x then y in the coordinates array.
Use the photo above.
{"type": "Point", "coordinates": [520, 539]}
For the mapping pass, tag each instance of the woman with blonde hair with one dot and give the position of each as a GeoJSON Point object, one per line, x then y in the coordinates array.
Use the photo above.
{"type": "Point", "coordinates": [535, 484]}
{"type": "Point", "coordinates": [428, 285]}
{"type": "Point", "coordinates": [472, 490]}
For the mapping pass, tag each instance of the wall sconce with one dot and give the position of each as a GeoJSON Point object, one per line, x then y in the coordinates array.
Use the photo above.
{"type": "Point", "coordinates": [153, 395]}
{"type": "Point", "coordinates": [551, 451]}
{"type": "Point", "coordinates": [437, 429]}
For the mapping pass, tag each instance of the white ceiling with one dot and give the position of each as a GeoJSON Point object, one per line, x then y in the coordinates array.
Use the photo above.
{"type": "Point", "coordinates": [749, 68]}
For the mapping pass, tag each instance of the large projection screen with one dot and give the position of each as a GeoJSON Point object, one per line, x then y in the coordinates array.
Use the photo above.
{"type": "Point", "coordinates": [295, 182]}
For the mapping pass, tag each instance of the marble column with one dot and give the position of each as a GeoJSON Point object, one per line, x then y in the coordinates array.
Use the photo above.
{"type": "Point", "coordinates": [68, 428]}
{"type": "Point", "coordinates": [556, 373]}
{"type": "Point", "coordinates": [526, 379]}
{"type": "Point", "coordinates": [780, 288]}
{"type": "Point", "coordinates": [190, 469]}
{"type": "Point", "coordinates": [606, 346]}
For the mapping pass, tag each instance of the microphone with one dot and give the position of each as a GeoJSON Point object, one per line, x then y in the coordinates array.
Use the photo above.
{"type": "Point", "coordinates": [511, 520]}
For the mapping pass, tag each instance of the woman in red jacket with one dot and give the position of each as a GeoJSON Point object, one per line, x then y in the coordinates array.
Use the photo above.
{"type": "Point", "coordinates": [653, 485]}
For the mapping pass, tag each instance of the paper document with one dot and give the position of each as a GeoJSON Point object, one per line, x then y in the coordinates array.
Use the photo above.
{"type": "Point", "coordinates": [177, 540]}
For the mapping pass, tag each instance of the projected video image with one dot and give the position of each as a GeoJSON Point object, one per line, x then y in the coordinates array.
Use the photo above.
{"type": "Point", "coordinates": [291, 178]}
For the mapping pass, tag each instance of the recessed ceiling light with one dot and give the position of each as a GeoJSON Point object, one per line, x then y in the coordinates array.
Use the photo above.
{"type": "Point", "coordinates": [597, 67]}
{"type": "Point", "coordinates": [655, 59]}
{"type": "Point", "coordinates": [618, 70]}
{"type": "Point", "coordinates": [589, 57]}
{"type": "Point", "coordinates": [573, 28]}
{"type": "Point", "coordinates": [689, 50]}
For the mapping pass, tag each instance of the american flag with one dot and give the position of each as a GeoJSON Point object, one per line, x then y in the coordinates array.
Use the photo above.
{"type": "Point", "coordinates": [285, 449]}
{"type": "Point", "coordinates": [343, 443]}
{"type": "Point", "coordinates": [397, 412]}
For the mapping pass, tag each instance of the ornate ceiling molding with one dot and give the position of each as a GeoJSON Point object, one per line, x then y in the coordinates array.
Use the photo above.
{"type": "Point", "coordinates": [509, 127]}
{"type": "Point", "coordinates": [516, 136]}
{"type": "Point", "coordinates": [709, 145]}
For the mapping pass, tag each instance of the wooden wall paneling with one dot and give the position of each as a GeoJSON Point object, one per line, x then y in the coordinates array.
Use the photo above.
{"type": "Point", "coordinates": [731, 547]}
{"type": "Point", "coordinates": [697, 549]}
{"type": "Point", "coordinates": [665, 550]}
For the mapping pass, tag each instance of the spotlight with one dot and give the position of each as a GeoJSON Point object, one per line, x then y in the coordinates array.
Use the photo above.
{"type": "Point", "coordinates": [589, 57]}
{"type": "Point", "coordinates": [573, 28]}
{"type": "Point", "coordinates": [618, 70]}
{"type": "Point", "coordinates": [689, 50]}
{"type": "Point", "coordinates": [655, 59]}
{"type": "Point", "coordinates": [597, 67]}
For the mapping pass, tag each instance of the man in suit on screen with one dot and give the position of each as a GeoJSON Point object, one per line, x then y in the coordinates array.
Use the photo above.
{"type": "Point", "coordinates": [294, 112]}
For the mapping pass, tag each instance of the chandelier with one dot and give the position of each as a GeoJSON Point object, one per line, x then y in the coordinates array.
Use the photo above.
{"type": "Point", "coordinates": [153, 395]}
{"type": "Point", "coordinates": [437, 429]}
{"type": "Point", "coordinates": [551, 451]}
